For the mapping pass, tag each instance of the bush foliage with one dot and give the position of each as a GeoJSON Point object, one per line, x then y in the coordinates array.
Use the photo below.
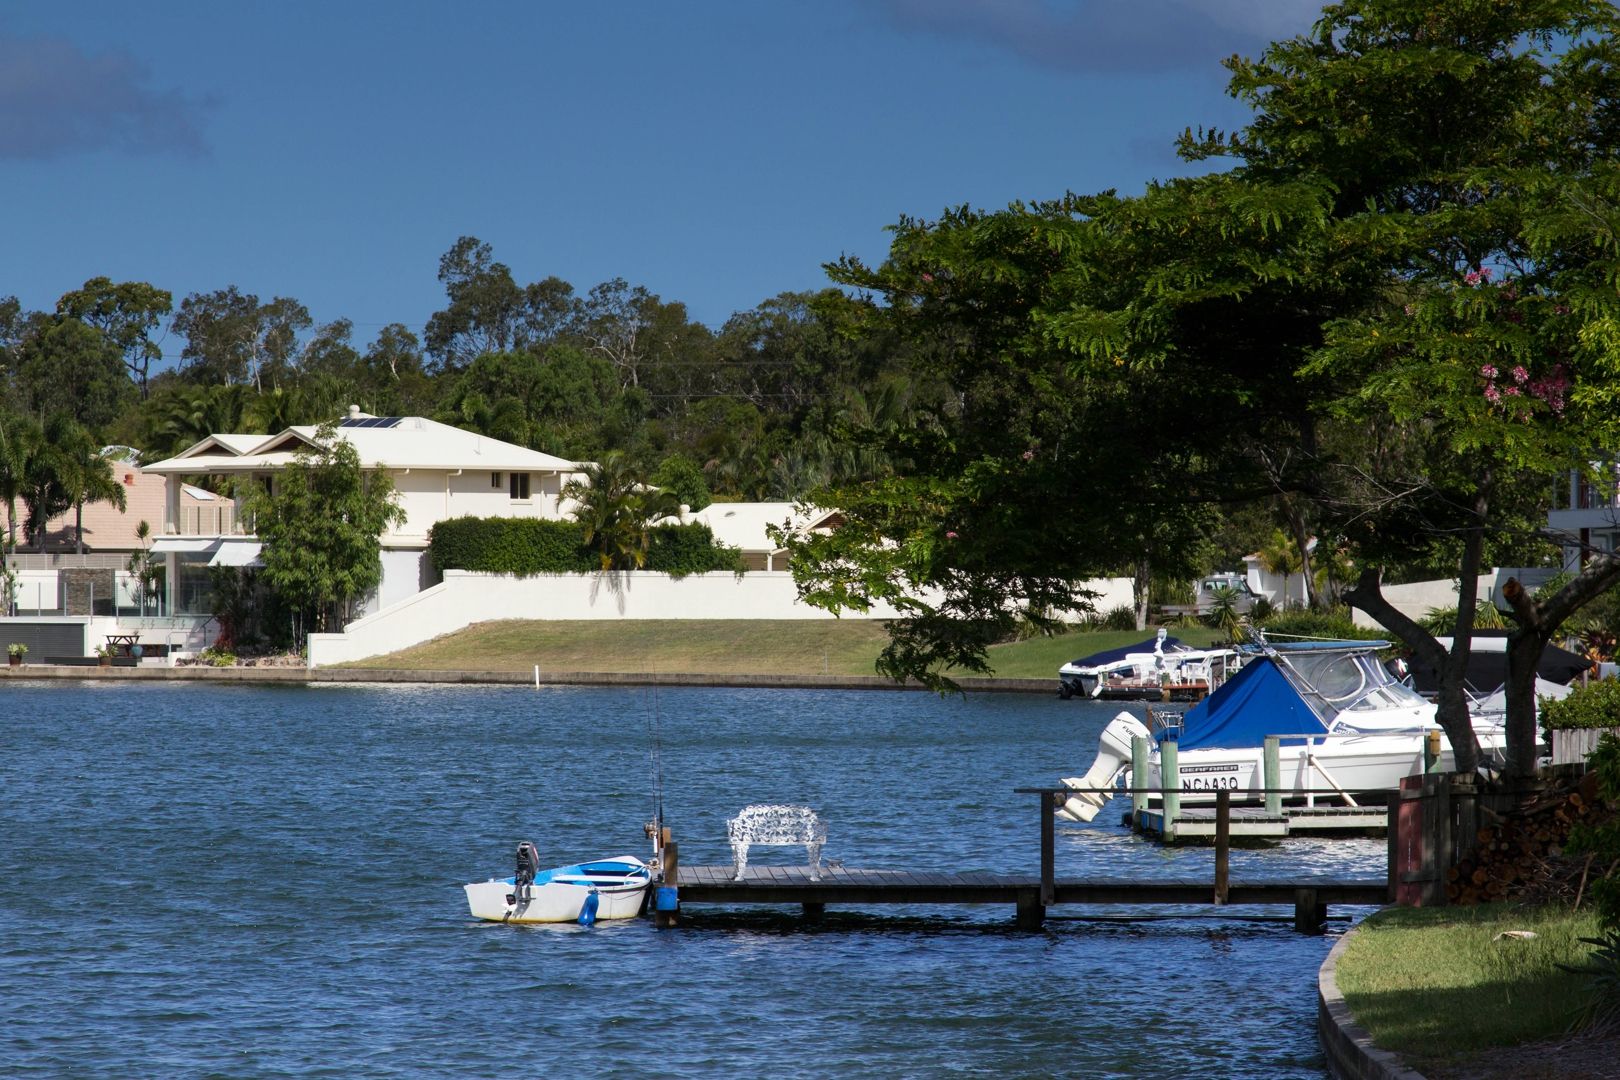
{"type": "Point", "coordinates": [1595, 705]}
{"type": "Point", "coordinates": [527, 546]}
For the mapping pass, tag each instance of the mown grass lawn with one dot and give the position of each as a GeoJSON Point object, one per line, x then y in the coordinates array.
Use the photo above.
{"type": "Point", "coordinates": [1440, 984]}
{"type": "Point", "coordinates": [719, 647]}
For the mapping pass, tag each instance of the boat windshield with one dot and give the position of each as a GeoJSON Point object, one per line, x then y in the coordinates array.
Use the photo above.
{"type": "Point", "coordinates": [1336, 682]}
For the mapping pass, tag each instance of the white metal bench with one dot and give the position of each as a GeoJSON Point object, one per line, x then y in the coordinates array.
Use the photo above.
{"type": "Point", "coordinates": [771, 823]}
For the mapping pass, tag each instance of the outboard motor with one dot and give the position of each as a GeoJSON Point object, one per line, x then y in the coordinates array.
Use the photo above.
{"type": "Point", "coordinates": [528, 865]}
{"type": "Point", "coordinates": [1113, 754]}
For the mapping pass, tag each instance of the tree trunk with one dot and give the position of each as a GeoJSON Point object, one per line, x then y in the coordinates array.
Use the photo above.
{"type": "Point", "coordinates": [1302, 540]}
{"type": "Point", "coordinates": [1141, 583]}
{"type": "Point", "coordinates": [1451, 711]}
{"type": "Point", "coordinates": [1538, 622]}
{"type": "Point", "coordinates": [78, 527]}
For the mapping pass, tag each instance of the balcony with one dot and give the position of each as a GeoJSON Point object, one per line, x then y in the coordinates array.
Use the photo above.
{"type": "Point", "coordinates": [216, 520]}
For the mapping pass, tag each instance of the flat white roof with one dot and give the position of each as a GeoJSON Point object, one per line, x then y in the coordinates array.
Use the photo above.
{"type": "Point", "coordinates": [743, 525]}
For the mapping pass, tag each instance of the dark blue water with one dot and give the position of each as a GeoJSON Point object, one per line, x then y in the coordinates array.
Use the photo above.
{"type": "Point", "coordinates": [266, 882]}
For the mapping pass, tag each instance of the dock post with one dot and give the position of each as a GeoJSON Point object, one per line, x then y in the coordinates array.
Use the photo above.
{"type": "Point", "coordinates": [813, 912]}
{"type": "Point", "coordinates": [1047, 854]}
{"type": "Point", "coordinates": [1431, 751]}
{"type": "Point", "coordinates": [667, 912]}
{"type": "Point", "coordinates": [1170, 785]}
{"type": "Point", "coordinates": [1139, 771]}
{"type": "Point", "coordinates": [1223, 843]}
{"type": "Point", "coordinates": [1310, 914]}
{"type": "Point", "coordinates": [1271, 775]}
{"type": "Point", "coordinates": [1031, 912]}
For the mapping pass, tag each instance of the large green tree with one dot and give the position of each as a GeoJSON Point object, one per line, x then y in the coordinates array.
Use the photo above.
{"type": "Point", "coordinates": [128, 313]}
{"type": "Point", "coordinates": [320, 528]}
{"type": "Point", "coordinates": [1454, 142]}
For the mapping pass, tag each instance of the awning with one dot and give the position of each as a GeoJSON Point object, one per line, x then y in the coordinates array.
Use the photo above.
{"type": "Point", "coordinates": [237, 553]}
{"type": "Point", "coordinates": [163, 545]}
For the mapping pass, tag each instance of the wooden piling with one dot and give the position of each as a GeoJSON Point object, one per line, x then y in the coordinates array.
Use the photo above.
{"type": "Point", "coordinates": [1170, 786]}
{"type": "Point", "coordinates": [1048, 873]}
{"type": "Point", "coordinates": [1310, 914]}
{"type": "Point", "coordinates": [1031, 912]}
{"type": "Point", "coordinates": [1271, 774]}
{"type": "Point", "coordinates": [1223, 843]}
{"type": "Point", "coordinates": [672, 861]}
{"type": "Point", "coordinates": [1139, 772]}
{"type": "Point", "coordinates": [813, 912]}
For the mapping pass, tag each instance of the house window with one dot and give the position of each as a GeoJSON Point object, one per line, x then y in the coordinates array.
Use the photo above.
{"type": "Point", "coordinates": [495, 480]}
{"type": "Point", "coordinates": [520, 486]}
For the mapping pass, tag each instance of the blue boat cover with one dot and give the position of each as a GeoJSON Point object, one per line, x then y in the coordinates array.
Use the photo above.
{"type": "Point", "coordinates": [1109, 656]}
{"type": "Point", "coordinates": [1256, 702]}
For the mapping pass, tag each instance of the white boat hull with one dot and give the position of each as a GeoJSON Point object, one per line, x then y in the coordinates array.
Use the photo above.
{"type": "Point", "coordinates": [1353, 764]}
{"type": "Point", "coordinates": [561, 900]}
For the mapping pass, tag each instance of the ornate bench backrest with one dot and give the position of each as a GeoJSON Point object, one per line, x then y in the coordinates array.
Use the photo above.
{"type": "Point", "coordinates": [772, 823]}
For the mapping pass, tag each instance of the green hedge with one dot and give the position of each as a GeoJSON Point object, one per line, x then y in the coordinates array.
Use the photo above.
{"type": "Point", "coordinates": [678, 550]}
{"type": "Point", "coordinates": [1595, 705]}
{"type": "Point", "coordinates": [509, 546]}
{"type": "Point", "coordinates": [526, 546]}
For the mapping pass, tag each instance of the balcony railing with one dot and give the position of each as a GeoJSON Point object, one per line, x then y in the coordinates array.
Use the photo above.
{"type": "Point", "coordinates": [217, 520]}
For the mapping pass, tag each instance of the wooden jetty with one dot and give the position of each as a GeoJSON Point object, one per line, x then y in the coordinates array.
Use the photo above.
{"type": "Point", "coordinates": [1029, 895]}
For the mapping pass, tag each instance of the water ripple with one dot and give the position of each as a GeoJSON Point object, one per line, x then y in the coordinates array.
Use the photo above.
{"type": "Point", "coordinates": [265, 881]}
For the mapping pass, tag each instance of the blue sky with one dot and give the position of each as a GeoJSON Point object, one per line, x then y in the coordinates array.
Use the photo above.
{"type": "Point", "coordinates": [716, 152]}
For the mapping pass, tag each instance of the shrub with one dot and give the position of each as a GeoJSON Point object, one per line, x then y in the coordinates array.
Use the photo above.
{"type": "Point", "coordinates": [1333, 623]}
{"type": "Point", "coordinates": [527, 546]}
{"type": "Point", "coordinates": [510, 546]}
{"type": "Point", "coordinates": [678, 550]}
{"type": "Point", "coordinates": [1120, 618]}
{"type": "Point", "coordinates": [1603, 840]}
{"type": "Point", "coordinates": [1595, 705]}
{"type": "Point", "coordinates": [16, 648]}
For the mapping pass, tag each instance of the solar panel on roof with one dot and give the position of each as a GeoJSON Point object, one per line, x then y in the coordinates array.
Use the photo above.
{"type": "Point", "coordinates": [371, 422]}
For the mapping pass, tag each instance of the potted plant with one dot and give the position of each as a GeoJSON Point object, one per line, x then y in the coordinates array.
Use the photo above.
{"type": "Point", "coordinates": [16, 650]}
{"type": "Point", "coordinates": [104, 655]}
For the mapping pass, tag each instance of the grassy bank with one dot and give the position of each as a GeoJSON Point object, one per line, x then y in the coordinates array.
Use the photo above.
{"type": "Point", "coordinates": [1437, 985]}
{"type": "Point", "coordinates": [721, 647]}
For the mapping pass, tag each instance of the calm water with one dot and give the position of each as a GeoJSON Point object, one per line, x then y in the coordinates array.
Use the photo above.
{"type": "Point", "coordinates": [246, 882]}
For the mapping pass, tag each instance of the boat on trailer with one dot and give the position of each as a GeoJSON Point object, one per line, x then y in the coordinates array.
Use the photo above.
{"type": "Point", "coordinates": [1345, 727]}
{"type": "Point", "coordinates": [1147, 671]}
{"type": "Point", "coordinates": [582, 892]}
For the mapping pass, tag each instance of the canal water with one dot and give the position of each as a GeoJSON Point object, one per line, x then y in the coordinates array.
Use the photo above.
{"type": "Point", "coordinates": [266, 882]}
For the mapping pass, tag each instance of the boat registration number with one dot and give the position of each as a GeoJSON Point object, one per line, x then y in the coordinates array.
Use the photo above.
{"type": "Point", "coordinates": [1220, 777]}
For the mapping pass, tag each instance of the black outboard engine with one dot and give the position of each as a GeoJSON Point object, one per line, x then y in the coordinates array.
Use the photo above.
{"type": "Point", "coordinates": [528, 864]}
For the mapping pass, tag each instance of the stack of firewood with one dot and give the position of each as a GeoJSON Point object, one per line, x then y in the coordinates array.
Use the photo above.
{"type": "Point", "coordinates": [1521, 856]}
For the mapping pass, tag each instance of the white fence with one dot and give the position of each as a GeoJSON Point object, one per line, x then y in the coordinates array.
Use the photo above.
{"type": "Point", "coordinates": [1571, 747]}
{"type": "Point", "coordinates": [464, 598]}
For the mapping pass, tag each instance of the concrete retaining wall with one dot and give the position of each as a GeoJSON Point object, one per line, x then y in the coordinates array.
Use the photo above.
{"type": "Point", "coordinates": [1350, 1052]}
{"type": "Point", "coordinates": [464, 598]}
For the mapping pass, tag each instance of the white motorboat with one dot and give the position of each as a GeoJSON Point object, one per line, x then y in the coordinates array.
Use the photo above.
{"type": "Point", "coordinates": [584, 892]}
{"type": "Point", "coordinates": [1346, 727]}
{"type": "Point", "coordinates": [1140, 673]}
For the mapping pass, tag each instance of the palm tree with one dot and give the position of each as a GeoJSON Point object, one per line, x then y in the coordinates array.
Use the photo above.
{"type": "Point", "coordinates": [616, 511]}
{"type": "Point", "coordinates": [20, 442]}
{"type": "Point", "coordinates": [73, 470]}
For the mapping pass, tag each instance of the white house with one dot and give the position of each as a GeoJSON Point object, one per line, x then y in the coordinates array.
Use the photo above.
{"type": "Point", "coordinates": [439, 471]}
{"type": "Point", "coordinates": [747, 526]}
{"type": "Point", "coordinates": [1588, 515]}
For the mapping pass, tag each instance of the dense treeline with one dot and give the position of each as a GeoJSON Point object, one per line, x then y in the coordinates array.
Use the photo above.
{"type": "Point", "coordinates": [775, 403]}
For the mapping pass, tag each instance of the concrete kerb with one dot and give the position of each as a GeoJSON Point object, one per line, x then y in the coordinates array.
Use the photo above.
{"type": "Point", "coordinates": [200, 673]}
{"type": "Point", "coordinates": [1350, 1052]}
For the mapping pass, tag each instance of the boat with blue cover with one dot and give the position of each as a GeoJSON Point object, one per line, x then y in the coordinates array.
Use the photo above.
{"type": "Point", "coordinates": [582, 892]}
{"type": "Point", "coordinates": [1345, 725]}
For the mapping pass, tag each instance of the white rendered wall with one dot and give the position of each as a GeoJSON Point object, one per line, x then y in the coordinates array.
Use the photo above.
{"type": "Point", "coordinates": [464, 598]}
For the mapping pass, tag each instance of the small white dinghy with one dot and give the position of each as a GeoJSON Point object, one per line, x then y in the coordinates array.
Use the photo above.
{"type": "Point", "coordinates": [582, 893]}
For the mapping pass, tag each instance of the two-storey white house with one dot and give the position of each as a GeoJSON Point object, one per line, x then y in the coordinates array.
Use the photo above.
{"type": "Point", "coordinates": [439, 472]}
{"type": "Point", "coordinates": [1588, 515]}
